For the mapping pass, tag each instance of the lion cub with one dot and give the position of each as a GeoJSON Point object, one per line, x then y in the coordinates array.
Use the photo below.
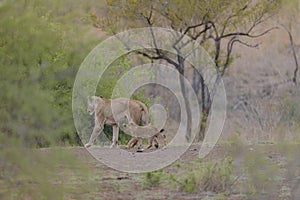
{"type": "Point", "coordinates": [149, 131]}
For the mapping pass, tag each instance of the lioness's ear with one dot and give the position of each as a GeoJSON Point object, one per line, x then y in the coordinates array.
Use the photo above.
{"type": "Point", "coordinates": [92, 98]}
{"type": "Point", "coordinates": [95, 99]}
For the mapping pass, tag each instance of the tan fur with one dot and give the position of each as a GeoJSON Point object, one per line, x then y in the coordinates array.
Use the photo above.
{"type": "Point", "coordinates": [149, 131]}
{"type": "Point", "coordinates": [151, 142]}
{"type": "Point", "coordinates": [132, 142]}
{"type": "Point", "coordinates": [135, 111]}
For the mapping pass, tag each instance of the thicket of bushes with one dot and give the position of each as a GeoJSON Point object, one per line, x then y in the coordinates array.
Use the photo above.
{"type": "Point", "coordinates": [42, 45]}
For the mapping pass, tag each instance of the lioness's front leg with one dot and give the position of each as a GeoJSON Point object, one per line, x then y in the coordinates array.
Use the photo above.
{"type": "Point", "coordinates": [115, 136]}
{"type": "Point", "coordinates": [96, 131]}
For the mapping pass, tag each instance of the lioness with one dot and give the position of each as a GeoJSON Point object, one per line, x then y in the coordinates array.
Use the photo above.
{"type": "Point", "coordinates": [146, 131]}
{"type": "Point", "coordinates": [135, 111]}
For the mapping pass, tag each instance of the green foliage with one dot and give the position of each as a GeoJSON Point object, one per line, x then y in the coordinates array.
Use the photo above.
{"type": "Point", "coordinates": [290, 150]}
{"type": "Point", "coordinates": [40, 54]}
{"type": "Point", "coordinates": [217, 25]}
{"type": "Point", "coordinates": [262, 173]}
{"type": "Point", "coordinates": [217, 176]}
{"type": "Point", "coordinates": [206, 176]}
{"type": "Point", "coordinates": [180, 13]}
{"type": "Point", "coordinates": [152, 179]}
{"type": "Point", "coordinates": [42, 44]}
{"type": "Point", "coordinates": [220, 197]}
{"type": "Point", "coordinates": [289, 124]}
{"type": "Point", "coordinates": [111, 76]}
{"type": "Point", "coordinates": [189, 183]}
{"type": "Point", "coordinates": [38, 174]}
{"type": "Point", "coordinates": [291, 110]}
{"type": "Point", "coordinates": [213, 20]}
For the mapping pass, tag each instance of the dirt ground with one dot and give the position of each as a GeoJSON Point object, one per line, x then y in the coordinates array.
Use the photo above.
{"type": "Point", "coordinates": [261, 171]}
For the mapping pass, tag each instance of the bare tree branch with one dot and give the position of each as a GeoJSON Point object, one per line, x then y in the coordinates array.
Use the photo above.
{"type": "Point", "coordinates": [206, 28]}
{"type": "Point", "coordinates": [158, 57]}
{"type": "Point", "coordinates": [247, 34]}
{"type": "Point", "coordinates": [247, 44]}
{"type": "Point", "coordinates": [292, 43]}
{"type": "Point", "coordinates": [230, 44]}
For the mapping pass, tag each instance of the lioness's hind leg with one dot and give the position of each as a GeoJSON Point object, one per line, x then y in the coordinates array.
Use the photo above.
{"type": "Point", "coordinates": [132, 142]}
{"type": "Point", "coordinates": [115, 136]}
{"type": "Point", "coordinates": [155, 141]}
{"type": "Point", "coordinates": [150, 142]}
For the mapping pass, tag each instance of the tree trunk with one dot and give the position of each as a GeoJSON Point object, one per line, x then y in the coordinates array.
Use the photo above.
{"type": "Point", "coordinates": [203, 124]}
{"type": "Point", "coordinates": [188, 109]}
{"type": "Point", "coordinates": [203, 95]}
{"type": "Point", "coordinates": [180, 69]}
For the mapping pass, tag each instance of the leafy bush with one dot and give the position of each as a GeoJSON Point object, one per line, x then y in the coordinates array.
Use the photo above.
{"type": "Point", "coordinates": [206, 176]}
{"type": "Point", "coordinates": [40, 54]}
{"type": "Point", "coordinates": [38, 174]}
{"type": "Point", "coordinates": [152, 179]}
{"type": "Point", "coordinates": [262, 173]}
{"type": "Point", "coordinates": [189, 183]}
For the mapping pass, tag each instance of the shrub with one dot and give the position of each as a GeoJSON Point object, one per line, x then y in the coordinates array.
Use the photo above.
{"type": "Point", "coordinates": [152, 179]}
{"type": "Point", "coordinates": [208, 176]}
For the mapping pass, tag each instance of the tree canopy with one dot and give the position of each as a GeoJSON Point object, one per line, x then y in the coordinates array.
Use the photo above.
{"type": "Point", "coordinates": [217, 25]}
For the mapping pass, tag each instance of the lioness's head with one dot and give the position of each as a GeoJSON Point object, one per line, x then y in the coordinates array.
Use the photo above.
{"type": "Point", "coordinates": [92, 103]}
